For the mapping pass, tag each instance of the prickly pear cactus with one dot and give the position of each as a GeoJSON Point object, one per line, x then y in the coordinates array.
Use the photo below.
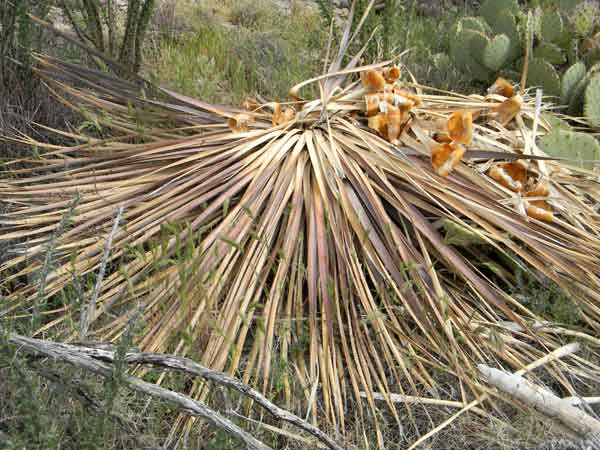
{"type": "Point", "coordinates": [462, 53]}
{"type": "Point", "coordinates": [477, 53]}
{"type": "Point", "coordinates": [573, 51]}
{"type": "Point", "coordinates": [477, 44]}
{"type": "Point", "coordinates": [543, 74]}
{"type": "Point", "coordinates": [576, 102]}
{"type": "Point", "coordinates": [571, 77]}
{"type": "Point", "coordinates": [556, 39]}
{"type": "Point", "coordinates": [551, 53]}
{"type": "Point", "coordinates": [579, 148]}
{"type": "Point", "coordinates": [584, 17]}
{"type": "Point", "coordinates": [506, 23]}
{"type": "Point", "coordinates": [490, 10]}
{"type": "Point", "coordinates": [555, 122]}
{"type": "Point", "coordinates": [475, 24]}
{"type": "Point", "coordinates": [496, 52]}
{"type": "Point", "coordinates": [592, 101]}
{"type": "Point", "coordinates": [551, 26]}
{"type": "Point", "coordinates": [568, 5]}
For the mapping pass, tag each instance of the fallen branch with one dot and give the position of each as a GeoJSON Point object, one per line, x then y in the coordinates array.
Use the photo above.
{"type": "Point", "coordinates": [190, 406]}
{"type": "Point", "coordinates": [541, 399]}
{"type": "Point", "coordinates": [577, 401]}
{"type": "Point", "coordinates": [94, 358]}
{"type": "Point", "coordinates": [552, 356]}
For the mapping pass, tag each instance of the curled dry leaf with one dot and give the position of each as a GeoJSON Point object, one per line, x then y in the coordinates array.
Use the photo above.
{"type": "Point", "coordinates": [509, 108]}
{"type": "Point", "coordinates": [403, 103]}
{"type": "Point", "coordinates": [395, 120]}
{"type": "Point", "coordinates": [445, 157]}
{"type": "Point", "coordinates": [372, 104]}
{"type": "Point", "coordinates": [240, 123]}
{"type": "Point", "coordinates": [388, 121]}
{"type": "Point", "coordinates": [591, 43]}
{"type": "Point", "coordinates": [375, 103]}
{"type": "Point", "coordinates": [511, 175]}
{"type": "Point", "coordinates": [540, 210]}
{"type": "Point", "coordinates": [392, 74]}
{"type": "Point", "coordinates": [442, 138]}
{"type": "Point", "coordinates": [378, 123]}
{"type": "Point", "coordinates": [282, 115]}
{"type": "Point", "coordinates": [542, 189]}
{"type": "Point", "coordinates": [276, 113]}
{"type": "Point", "coordinates": [409, 96]}
{"type": "Point", "coordinates": [250, 104]}
{"type": "Point", "coordinates": [502, 87]}
{"type": "Point", "coordinates": [372, 81]}
{"type": "Point", "coordinates": [460, 127]}
{"type": "Point", "coordinates": [287, 114]}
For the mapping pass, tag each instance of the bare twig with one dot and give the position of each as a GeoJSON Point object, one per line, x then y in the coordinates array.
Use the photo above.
{"type": "Point", "coordinates": [88, 310]}
{"type": "Point", "coordinates": [105, 353]}
{"type": "Point", "coordinates": [576, 401]}
{"type": "Point", "coordinates": [543, 400]}
{"type": "Point", "coordinates": [192, 368]}
{"type": "Point", "coordinates": [552, 356]}
{"type": "Point", "coordinates": [190, 406]}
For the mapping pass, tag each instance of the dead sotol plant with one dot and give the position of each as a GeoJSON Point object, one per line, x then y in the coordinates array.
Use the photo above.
{"type": "Point", "coordinates": [312, 233]}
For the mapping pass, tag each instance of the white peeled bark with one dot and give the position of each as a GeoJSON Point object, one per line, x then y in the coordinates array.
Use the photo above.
{"type": "Point", "coordinates": [543, 400]}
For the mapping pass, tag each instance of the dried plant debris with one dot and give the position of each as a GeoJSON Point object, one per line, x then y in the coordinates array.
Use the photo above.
{"type": "Point", "coordinates": [300, 245]}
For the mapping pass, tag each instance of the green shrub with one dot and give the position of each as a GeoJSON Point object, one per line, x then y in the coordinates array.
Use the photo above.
{"type": "Point", "coordinates": [220, 62]}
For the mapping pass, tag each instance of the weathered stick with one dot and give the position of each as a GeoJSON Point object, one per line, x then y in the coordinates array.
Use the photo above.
{"type": "Point", "coordinates": [190, 406]}
{"type": "Point", "coordinates": [106, 353]}
{"type": "Point", "coordinates": [541, 399]}
{"type": "Point", "coordinates": [576, 401]}
{"type": "Point", "coordinates": [552, 356]}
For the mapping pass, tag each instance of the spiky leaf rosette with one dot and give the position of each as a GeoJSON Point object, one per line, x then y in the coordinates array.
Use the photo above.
{"type": "Point", "coordinates": [308, 245]}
